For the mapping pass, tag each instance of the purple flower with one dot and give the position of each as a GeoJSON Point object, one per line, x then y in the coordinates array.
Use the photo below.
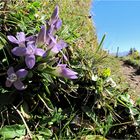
{"type": "Point", "coordinates": [42, 36]}
{"type": "Point", "coordinates": [45, 37]}
{"type": "Point", "coordinates": [55, 22]}
{"type": "Point", "coordinates": [20, 39]}
{"type": "Point", "coordinates": [15, 78]}
{"type": "Point", "coordinates": [29, 52]}
{"type": "Point", "coordinates": [55, 15]}
{"type": "Point", "coordinates": [56, 46]}
{"type": "Point", "coordinates": [61, 70]}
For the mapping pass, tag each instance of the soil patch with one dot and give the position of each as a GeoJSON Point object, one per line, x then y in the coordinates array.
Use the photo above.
{"type": "Point", "coordinates": [132, 77]}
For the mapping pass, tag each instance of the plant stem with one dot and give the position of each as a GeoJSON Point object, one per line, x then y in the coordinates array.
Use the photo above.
{"type": "Point", "coordinates": [28, 130]}
{"type": "Point", "coordinates": [49, 109]}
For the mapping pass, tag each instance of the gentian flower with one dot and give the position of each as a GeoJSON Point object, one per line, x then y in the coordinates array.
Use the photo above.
{"type": "Point", "coordinates": [42, 36]}
{"type": "Point", "coordinates": [15, 78]}
{"type": "Point", "coordinates": [56, 46]}
{"type": "Point", "coordinates": [30, 51]}
{"type": "Point", "coordinates": [61, 70]}
{"type": "Point", "coordinates": [45, 37]}
{"type": "Point", "coordinates": [20, 39]}
{"type": "Point", "coordinates": [55, 22]}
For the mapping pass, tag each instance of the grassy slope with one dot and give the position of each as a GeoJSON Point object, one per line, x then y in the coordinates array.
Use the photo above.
{"type": "Point", "coordinates": [119, 75]}
{"type": "Point", "coordinates": [77, 24]}
{"type": "Point", "coordinates": [79, 29]}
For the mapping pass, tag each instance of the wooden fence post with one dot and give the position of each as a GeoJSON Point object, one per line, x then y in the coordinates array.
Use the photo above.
{"type": "Point", "coordinates": [117, 53]}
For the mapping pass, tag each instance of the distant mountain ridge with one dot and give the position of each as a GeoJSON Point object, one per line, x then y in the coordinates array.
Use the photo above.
{"type": "Point", "coordinates": [120, 54]}
{"type": "Point", "coordinates": [123, 53]}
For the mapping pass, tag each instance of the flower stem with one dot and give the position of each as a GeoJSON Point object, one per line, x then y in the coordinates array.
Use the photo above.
{"type": "Point", "coordinates": [28, 130]}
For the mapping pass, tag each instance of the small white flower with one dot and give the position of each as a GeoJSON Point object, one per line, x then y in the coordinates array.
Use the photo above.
{"type": "Point", "coordinates": [111, 82]}
{"type": "Point", "coordinates": [94, 77]}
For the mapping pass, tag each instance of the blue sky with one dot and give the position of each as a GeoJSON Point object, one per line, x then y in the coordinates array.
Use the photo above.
{"type": "Point", "coordinates": [120, 21]}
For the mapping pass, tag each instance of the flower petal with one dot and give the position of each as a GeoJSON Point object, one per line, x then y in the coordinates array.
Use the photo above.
{"type": "Point", "coordinates": [61, 45]}
{"type": "Point", "coordinates": [30, 48]}
{"type": "Point", "coordinates": [10, 71]}
{"type": "Point", "coordinates": [21, 36]}
{"type": "Point", "coordinates": [31, 44]}
{"type": "Point", "coordinates": [12, 39]}
{"type": "Point", "coordinates": [50, 29]}
{"type": "Point", "coordinates": [39, 52]}
{"type": "Point", "coordinates": [53, 41]}
{"type": "Point", "coordinates": [21, 73]}
{"type": "Point", "coordinates": [55, 49]}
{"type": "Point", "coordinates": [66, 72]}
{"type": "Point", "coordinates": [31, 38]}
{"type": "Point", "coordinates": [41, 38]}
{"type": "Point", "coordinates": [54, 16]}
{"type": "Point", "coordinates": [8, 83]}
{"type": "Point", "coordinates": [30, 61]}
{"type": "Point", "coordinates": [73, 77]}
{"type": "Point", "coordinates": [19, 51]}
{"type": "Point", "coordinates": [19, 85]}
{"type": "Point", "coordinates": [58, 24]}
{"type": "Point", "coordinates": [62, 65]}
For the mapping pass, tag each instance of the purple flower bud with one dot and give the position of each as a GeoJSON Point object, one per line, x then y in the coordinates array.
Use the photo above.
{"type": "Point", "coordinates": [55, 22]}
{"type": "Point", "coordinates": [55, 15]}
{"type": "Point", "coordinates": [41, 38]}
{"type": "Point", "coordinates": [61, 70]}
{"type": "Point", "coordinates": [15, 78]}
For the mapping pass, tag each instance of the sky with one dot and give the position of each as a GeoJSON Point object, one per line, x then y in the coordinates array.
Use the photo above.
{"type": "Point", "coordinates": [120, 21]}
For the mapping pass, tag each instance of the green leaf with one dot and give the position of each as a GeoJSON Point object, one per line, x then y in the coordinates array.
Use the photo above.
{"type": "Point", "coordinates": [133, 111]}
{"type": "Point", "coordinates": [45, 132]}
{"type": "Point", "coordinates": [93, 137]}
{"type": "Point", "coordinates": [138, 101]}
{"type": "Point", "coordinates": [36, 4]}
{"type": "Point", "coordinates": [38, 137]}
{"type": "Point", "coordinates": [125, 98]}
{"type": "Point", "coordinates": [12, 131]}
{"type": "Point", "coordinates": [101, 43]}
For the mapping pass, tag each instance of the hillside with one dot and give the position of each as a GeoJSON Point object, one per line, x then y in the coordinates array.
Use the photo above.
{"type": "Point", "coordinates": [124, 74]}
